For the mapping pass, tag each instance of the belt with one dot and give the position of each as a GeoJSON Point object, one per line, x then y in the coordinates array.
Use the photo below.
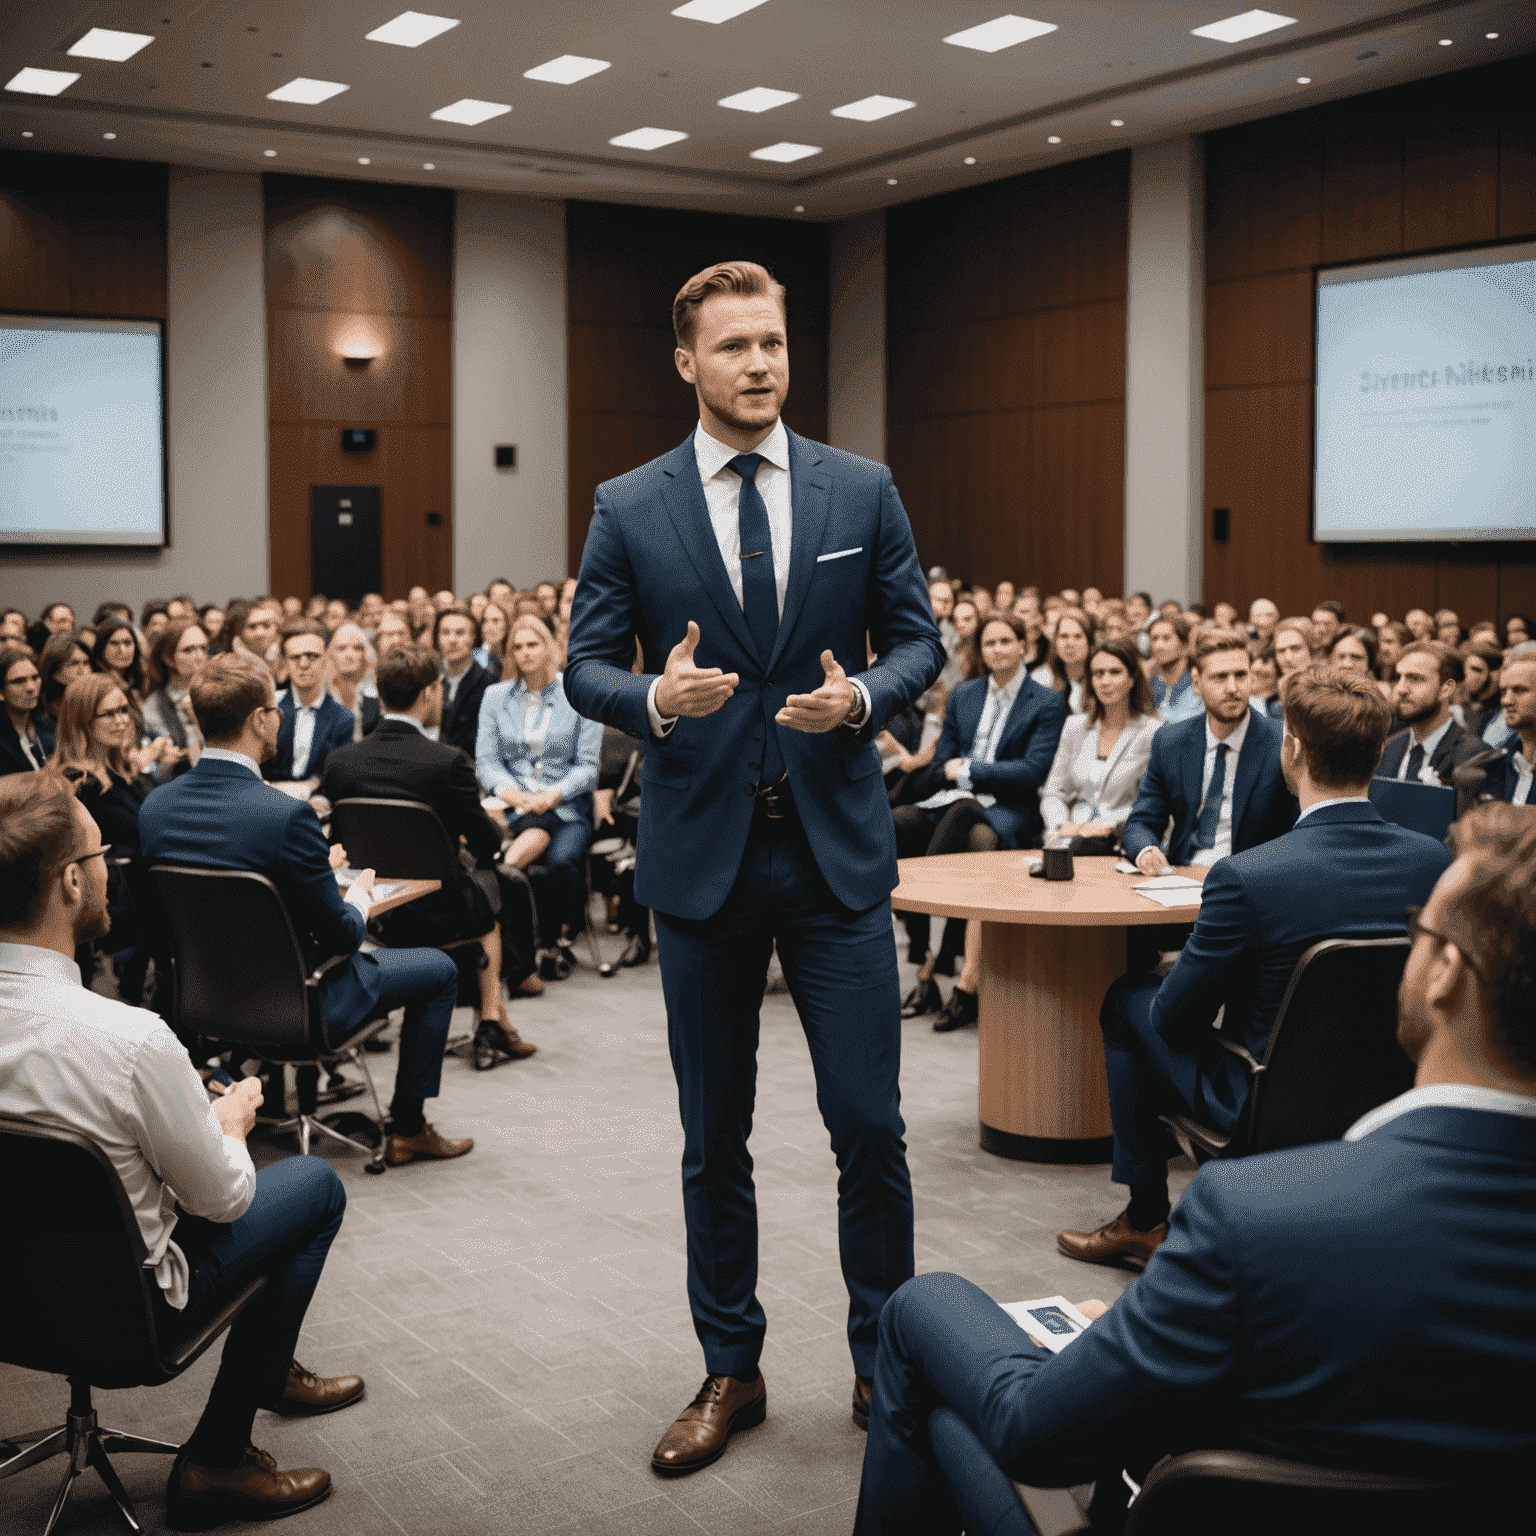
{"type": "Point", "coordinates": [775, 809]}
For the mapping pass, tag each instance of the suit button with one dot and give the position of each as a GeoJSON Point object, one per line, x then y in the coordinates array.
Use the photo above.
{"type": "Point", "coordinates": [754, 766]}
{"type": "Point", "coordinates": [757, 738]}
{"type": "Point", "coordinates": [750, 788]}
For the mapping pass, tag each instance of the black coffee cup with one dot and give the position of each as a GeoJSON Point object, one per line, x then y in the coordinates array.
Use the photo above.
{"type": "Point", "coordinates": [1058, 861]}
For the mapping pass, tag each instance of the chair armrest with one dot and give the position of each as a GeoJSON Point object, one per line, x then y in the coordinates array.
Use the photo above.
{"type": "Point", "coordinates": [188, 1348]}
{"type": "Point", "coordinates": [320, 970]}
{"type": "Point", "coordinates": [1242, 1052]}
{"type": "Point", "coordinates": [1052, 1511]}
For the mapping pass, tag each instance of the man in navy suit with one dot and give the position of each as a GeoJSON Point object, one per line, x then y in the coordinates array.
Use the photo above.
{"type": "Point", "coordinates": [313, 724]}
{"type": "Point", "coordinates": [1510, 779]}
{"type": "Point", "coordinates": [756, 563]}
{"type": "Point", "coordinates": [1361, 1303]}
{"type": "Point", "coordinates": [1341, 872]}
{"type": "Point", "coordinates": [221, 815]}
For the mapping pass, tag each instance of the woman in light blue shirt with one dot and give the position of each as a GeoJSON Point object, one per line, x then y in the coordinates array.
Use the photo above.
{"type": "Point", "coordinates": [535, 753]}
{"type": "Point", "coordinates": [1172, 682]}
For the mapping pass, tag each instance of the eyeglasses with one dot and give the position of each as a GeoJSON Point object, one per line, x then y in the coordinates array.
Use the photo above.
{"type": "Point", "coordinates": [1415, 928]}
{"type": "Point", "coordinates": [80, 858]}
{"type": "Point", "coordinates": [297, 656]}
{"type": "Point", "coordinates": [116, 714]}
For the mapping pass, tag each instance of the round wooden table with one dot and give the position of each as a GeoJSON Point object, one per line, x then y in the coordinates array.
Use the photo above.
{"type": "Point", "coordinates": [1049, 951]}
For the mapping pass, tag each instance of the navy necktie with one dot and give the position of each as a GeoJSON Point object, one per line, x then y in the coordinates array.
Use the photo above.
{"type": "Point", "coordinates": [1210, 812]}
{"type": "Point", "coordinates": [759, 592]}
{"type": "Point", "coordinates": [1415, 763]}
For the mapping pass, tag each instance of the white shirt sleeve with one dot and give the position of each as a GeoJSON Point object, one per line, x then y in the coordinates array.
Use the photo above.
{"type": "Point", "coordinates": [211, 1174]}
{"type": "Point", "coordinates": [660, 727]}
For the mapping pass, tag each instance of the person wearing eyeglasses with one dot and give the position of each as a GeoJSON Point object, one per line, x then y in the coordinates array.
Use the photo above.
{"type": "Point", "coordinates": [26, 732]}
{"type": "Point", "coordinates": [178, 652]}
{"type": "Point", "coordinates": [313, 724]}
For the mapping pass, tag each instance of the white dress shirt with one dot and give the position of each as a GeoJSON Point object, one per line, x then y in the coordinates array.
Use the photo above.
{"type": "Point", "coordinates": [1431, 745]}
{"type": "Point", "coordinates": [410, 720]}
{"type": "Point", "coordinates": [86, 1063]}
{"type": "Point", "coordinates": [1317, 805]}
{"type": "Point", "coordinates": [722, 495]}
{"type": "Point", "coordinates": [1524, 771]}
{"type": "Point", "coordinates": [224, 755]}
{"type": "Point", "coordinates": [1443, 1095]}
{"type": "Point", "coordinates": [989, 732]}
{"type": "Point", "coordinates": [303, 731]}
{"type": "Point", "coordinates": [451, 680]}
{"type": "Point", "coordinates": [1234, 745]}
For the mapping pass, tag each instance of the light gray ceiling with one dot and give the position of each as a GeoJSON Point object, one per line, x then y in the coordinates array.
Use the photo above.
{"type": "Point", "coordinates": [198, 94]}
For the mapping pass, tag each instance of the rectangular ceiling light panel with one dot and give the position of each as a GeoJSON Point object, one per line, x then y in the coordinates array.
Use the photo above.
{"type": "Point", "coordinates": [873, 108]}
{"type": "Point", "coordinates": [648, 138]}
{"type": "Point", "coordinates": [567, 69]}
{"type": "Point", "coordinates": [410, 29]}
{"type": "Point", "coordinates": [759, 99]}
{"type": "Point", "coordinates": [41, 82]}
{"type": "Point", "coordinates": [784, 153]}
{"type": "Point", "coordinates": [471, 112]}
{"type": "Point", "coordinates": [307, 93]}
{"type": "Point", "coordinates": [716, 10]}
{"type": "Point", "coordinates": [103, 43]}
{"type": "Point", "coordinates": [1238, 29]}
{"type": "Point", "coordinates": [1001, 32]}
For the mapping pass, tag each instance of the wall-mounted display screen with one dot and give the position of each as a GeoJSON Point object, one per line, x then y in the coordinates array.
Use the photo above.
{"type": "Point", "coordinates": [82, 431]}
{"type": "Point", "coordinates": [1425, 425]}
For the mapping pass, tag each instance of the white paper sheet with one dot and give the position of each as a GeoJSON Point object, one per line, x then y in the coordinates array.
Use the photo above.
{"type": "Point", "coordinates": [1051, 1321]}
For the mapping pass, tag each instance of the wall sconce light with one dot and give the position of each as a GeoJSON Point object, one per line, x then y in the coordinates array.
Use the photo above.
{"type": "Point", "coordinates": [357, 360]}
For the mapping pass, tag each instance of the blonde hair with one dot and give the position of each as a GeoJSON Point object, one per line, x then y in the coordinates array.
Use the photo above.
{"type": "Point", "coordinates": [541, 629]}
{"type": "Point", "coordinates": [74, 742]}
{"type": "Point", "coordinates": [745, 279]}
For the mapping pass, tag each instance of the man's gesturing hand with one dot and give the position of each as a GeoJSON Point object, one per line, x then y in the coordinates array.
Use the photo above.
{"type": "Point", "coordinates": [689, 690]}
{"type": "Point", "coordinates": [824, 710]}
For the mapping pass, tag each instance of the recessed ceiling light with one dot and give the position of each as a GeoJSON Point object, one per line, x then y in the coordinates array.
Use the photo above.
{"type": "Point", "coordinates": [786, 152]}
{"type": "Point", "coordinates": [648, 138]}
{"type": "Point", "coordinates": [890, 181]}
{"type": "Point", "coordinates": [872, 108]}
{"type": "Point", "coordinates": [799, 207]}
{"type": "Point", "coordinates": [26, 133]}
{"type": "Point", "coordinates": [470, 112]}
{"type": "Point", "coordinates": [271, 154]}
{"type": "Point", "coordinates": [109, 135]}
{"type": "Point", "coordinates": [306, 92]}
{"type": "Point", "coordinates": [1445, 42]}
{"type": "Point", "coordinates": [364, 160]}
{"type": "Point", "coordinates": [1001, 32]}
{"type": "Point", "coordinates": [410, 29]}
{"type": "Point", "coordinates": [759, 99]}
{"type": "Point", "coordinates": [716, 10]}
{"type": "Point", "coordinates": [103, 43]}
{"type": "Point", "coordinates": [567, 69]}
{"type": "Point", "coordinates": [1055, 138]}
{"type": "Point", "coordinates": [1117, 122]}
{"type": "Point", "coordinates": [1490, 35]}
{"type": "Point", "coordinates": [429, 166]}
{"type": "Point", "coordinates": [41, 82]}
{"type": "Point", "coordinates": [1238, 29]}
{"type": "Point", "coordinates": [970, 159]}
{"type": "Point", "coordinates": [1303, 79]}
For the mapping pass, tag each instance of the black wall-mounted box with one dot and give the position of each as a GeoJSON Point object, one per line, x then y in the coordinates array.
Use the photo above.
{"type": "Point", "coordinates": [506, 456]}
{"type": "Point", "coordinates": [358, 439]}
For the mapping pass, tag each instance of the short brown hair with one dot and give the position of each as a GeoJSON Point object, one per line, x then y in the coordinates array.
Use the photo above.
{"type": "Point", "coordinates": [405, 673]}
{"type": "Point", "coordinates": [1448, 659]}
{"type": "Point", "coordinates": [1342, 722]}
{"type": "Point", "coordinates": [37, 834]}
{"type": "Point", "coordinates": [746, 279]}
{"type": "Point", "coordinates": [1213, 640]}
{"type": "Point", "coordinates": [461, 611]}
{"type": "Point", "coordinates": [1492, 920]}
{"type": "Point", "coordinates": [225, 693]}
{"type": "Point", "coordinates": [296, 627]}
{"type": "Point", "coordinates": [1303, 627]}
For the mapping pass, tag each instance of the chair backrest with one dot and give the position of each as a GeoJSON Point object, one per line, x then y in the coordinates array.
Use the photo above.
{"type": "Point", "coordinates": [1426, 808]}
{"type": "Point", "coordinates": [1333, 1052]}
{"type": "Point", "coordinates": [403, 839]}
{"type": "Point", "coordinates": [1217, 1493]}
{"type": "Point", "coordinates": [75, 1298]}
{"type": "Point", "coordinates": [240, 970]}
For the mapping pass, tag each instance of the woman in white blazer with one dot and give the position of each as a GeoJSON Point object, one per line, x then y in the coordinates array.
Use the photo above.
{"type": "Point", "coordinates": [1093, 781]}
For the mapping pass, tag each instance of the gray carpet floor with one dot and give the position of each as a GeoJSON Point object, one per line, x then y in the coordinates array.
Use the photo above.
{"type": "Point", "coordinates": [520, 1315]}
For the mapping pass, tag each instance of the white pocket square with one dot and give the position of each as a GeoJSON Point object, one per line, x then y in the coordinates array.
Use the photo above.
{"type": "Point", "coordinates": [838, 554]}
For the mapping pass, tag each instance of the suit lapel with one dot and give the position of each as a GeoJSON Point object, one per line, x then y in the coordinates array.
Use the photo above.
{"type": "Point", "coordinates": [1247, 772]}
{"type": "Point", "coordinates": [683, 496]}
{"type": "Point", "coordinates": [284, 752]}
{"type": "Point", "coordinates": [1441, 762]}
{"type": "Point", "coordinates": [810, 492]}
{"type": "Point", "coordinates": [1194, 771]}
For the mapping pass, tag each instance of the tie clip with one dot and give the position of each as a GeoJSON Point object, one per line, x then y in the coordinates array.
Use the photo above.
{"type": "Point", "coordinates": [755, 553]}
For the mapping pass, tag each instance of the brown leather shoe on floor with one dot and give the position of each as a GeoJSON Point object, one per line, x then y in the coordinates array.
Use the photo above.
{"type": "Point", "coordinates": [861, 1386]}
{"type": "Point", "coordinates": [1115, 1241]}
{"type": "Point", "coordinates": [200, 1497]}
{"type": "Point", "coordinates": [701, 1431]}
{"type": "Point", "coordinates": [308, 1394]}
{"type": "Point", "coordinates": [532, 985]}
{"type": "Point", "coordinates": [508, 1039]}
{"type": "Point", "coordinates": [406, 1149]}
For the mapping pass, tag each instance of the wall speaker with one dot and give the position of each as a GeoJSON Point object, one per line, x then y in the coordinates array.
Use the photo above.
{"type": "Point", "coordinates": [358, 439]}
{"type": "Point", "coordinates": [506, 456]}
{"type": "Point", "coordinates": [1220, 521]}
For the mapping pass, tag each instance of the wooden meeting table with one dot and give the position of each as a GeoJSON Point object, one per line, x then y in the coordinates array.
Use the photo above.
{"type": "Point", "coordinates": [409, 890]}
{"type": "Point", "coordinates": [1049, 951]}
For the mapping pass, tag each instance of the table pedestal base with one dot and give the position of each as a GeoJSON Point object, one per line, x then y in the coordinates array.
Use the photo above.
{"type": "Point", "coordinates": [1044, 1096]}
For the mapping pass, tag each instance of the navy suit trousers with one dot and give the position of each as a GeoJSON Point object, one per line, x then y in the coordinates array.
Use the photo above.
{"type": "Point", "coordinates": [424, 981]}
{"type": "Point", "coordinates": [841, 969]}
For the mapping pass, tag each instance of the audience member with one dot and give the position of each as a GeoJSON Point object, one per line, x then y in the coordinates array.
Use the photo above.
{"type": "Point", "coordinates": [1511, 779]}
{"type": "Point", "coordinates": [222, 815]}
{"type": "Point", "coordinates": [393, 629]}
{"type": "Point", "coordinates": [174, 661]}
{"type": "Point", "coordinates": [153, 618]}
{"type": "Point", "coordinates": [1419, 624]}
{"type": "Point", "coordinates": [349, 676]}
{"type": "Point", "coordinates": [1448, 627]}
{"type": "Point", "coordinates": [1296, 1309]}
{"type": "Point", "coordinates": [1103, 752]}
{"type": "Point", "coordinates": [1264, 683]}
{"type": "Point", "coordinates": [13, 627]}
{"type": "Point", "coordinates": [119, 1077]}
{"type": "Point", "coordinates": [212, 617]}
{"type": "Point", "coordinates": [1262, 618]}
{"type": "Point", "coordinates": [1358, 873]}
{"type": "Point", "coordinates": [491, 653]}
{"type": "Point", "coordinates": [1517, 630]}
{"type": "Point", "coordinates": [1065, 667]}
{"type": "Point", "coordinates": [941, 596]}
{"type": "Point", "coordinates": [56, 619]}
{"type": "Point", "coordinates": [1293, 641]}
{"type": "Point", "coordinates": [65, 657]}
{"type": "Point", "coordinates": [370, 611]}
{"type": "Point", "coordinates": [399, 762]}
{"type": "Point", "coordinates": [1390, 640]}
{"type": "Point", "coordinates": [455, 636]}
{"type": "Point", "coordinates": [1003, 596]}
{"type": "Point", "coordinates": [1429, 677]}
{"type": "Point", "coordinates": [1353, 649]}
{"type": "Point", "coordinates": [1171, 681]}
{"type": "Point", "coordinates": [1327, 620]}
{"type": "Point", "coordinates": [257, 634]}
{"type": "Point", "coordinates": [963, 663]}
{"type": "Point", "coordinates": [312, 724]}
{"type": "Point", "coordinates": [26, 732]}
{"type": "Point", "coordinates": [616, 807]}
{"type": "Point", "coordinates": [1479, 701]}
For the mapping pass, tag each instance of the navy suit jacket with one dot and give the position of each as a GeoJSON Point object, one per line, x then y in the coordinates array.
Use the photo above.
{"type": "Point", "coordinates": [1024, 754]}
{"type": "Point", "coordinates": [1362, 1303]}
{"type": "Point", "coordinates": [1503, 778]}
{"type": "Point", "coordinates": [651, 564]}
{"type": "Point", "coordinates": [333, 728]}
{"type": "Point", "coordinates": [461, 719]}
{"type": "Point", "coordinates": [1262, 807]}
{"type": "Point", "coordinates": [1343, 872]}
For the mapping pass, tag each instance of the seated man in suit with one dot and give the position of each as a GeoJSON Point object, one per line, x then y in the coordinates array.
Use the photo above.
{"type": "Point", "coordinates": [222, 816]}
{"type": "Point", "coordinates": [1341, 872]}
{"type": "Point", "coordinates": [455, 636]}
{"type": "Point", "coordinates": [1429, 677]}
{"type": "Point", "coordinates": [1361, 1303]}
{"type": "Point", "coordinates": [1511, 779]}
{"type": "Point", "coordinates": [398, 762]}
{"type": "Point", "coordinates": [210, 1222]}
{"type": "Point", "coordinates": [313, 724]}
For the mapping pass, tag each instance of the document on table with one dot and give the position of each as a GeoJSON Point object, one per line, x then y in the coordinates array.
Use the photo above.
{"type": "Point", "coordinates": [1171, 891]}
{"type": "Point", "coordinates": [1052, 1321]}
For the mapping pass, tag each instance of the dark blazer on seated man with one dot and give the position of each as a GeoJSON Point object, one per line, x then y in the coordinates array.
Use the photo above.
{"type": "Point", "coordinates": [1172, 788]}
{"type": "Point", "coordinates": [333, 728]}
{"type": "Point", "coordinates": [461, 711]}
{"type": "Point", "coordinates": [1449, 753]}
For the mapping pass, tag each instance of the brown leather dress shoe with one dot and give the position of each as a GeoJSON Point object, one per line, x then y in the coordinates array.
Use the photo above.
{"type": "Point", "coordinates": [406, 1149]}
{"type": "Point", "coordinates": [532, 985]}
{"type": "Point", "coordinates": [508, 1039]}
{"type": "Point", "coordinates": [308, 1394]}
{"type": "Point", "coordinates": [861, 1386]}
{"type": "Point", "coordinates": [1115, 1241]}
{"type": "Point", "coordinates": [200, 1497]}
{"type": "Point", "coordinates": [701, 1431]}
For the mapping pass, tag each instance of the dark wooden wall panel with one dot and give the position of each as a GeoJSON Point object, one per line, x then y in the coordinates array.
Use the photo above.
{"type": "Point", "coordinates": [1442, 162]}
{"type": "Point", "coordinates": [1005, 355]}
{"type": "Point", "coordinates": [626, 402]}
{"type": "Point", "coordinates": [357, 261]}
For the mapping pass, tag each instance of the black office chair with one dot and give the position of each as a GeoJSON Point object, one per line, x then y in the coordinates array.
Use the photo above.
{"type": "Point", "coordinates": [242, 980]}
{"type": "Point", "coordinates": [76, 1300]}
{"type": "Point", "coordinates": [1332, 1054]}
